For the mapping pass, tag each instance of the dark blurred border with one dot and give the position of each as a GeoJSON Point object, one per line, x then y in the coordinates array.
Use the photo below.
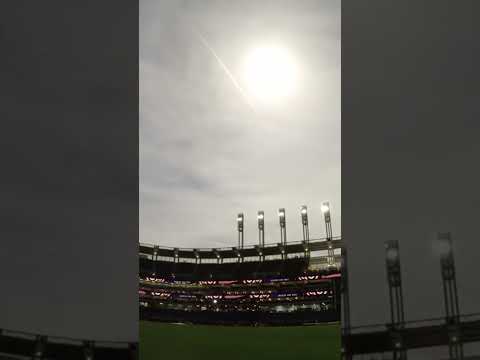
{"type": "Point", "coordinates": [69, 169]}
{"type": "Point", "coordinates": [410, 150]}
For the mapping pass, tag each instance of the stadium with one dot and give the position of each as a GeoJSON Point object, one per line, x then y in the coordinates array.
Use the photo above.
{"type": "Point", "coordinates": [241, 294]}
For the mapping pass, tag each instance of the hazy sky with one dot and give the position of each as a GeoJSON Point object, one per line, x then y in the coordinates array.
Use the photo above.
{"type": "Point", "coordinates": [205, 153]}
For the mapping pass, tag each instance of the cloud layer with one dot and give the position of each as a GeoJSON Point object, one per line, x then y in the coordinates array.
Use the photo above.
{"type": "Point", "coordinates": [205, 155]}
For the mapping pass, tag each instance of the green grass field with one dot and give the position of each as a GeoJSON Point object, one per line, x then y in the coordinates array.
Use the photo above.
{"type": "Point", "coordinates": [182, 342]}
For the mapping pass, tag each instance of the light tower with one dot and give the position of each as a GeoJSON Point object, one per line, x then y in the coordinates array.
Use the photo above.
{"type": "Point", "coordinates": [397, 315]}
{"type": "Point", "coordinates": [261, 228]}
{"type": "Point", "coordinates": [303, 213]}
{"type": "Point", "coordinates": [328, 229]}
{"type": "Point", "coordinates": [452, 311]}
{"type": "Point", "coordinates": [283, 232]}
{"type": "Point", "coordinates": [240, 220]}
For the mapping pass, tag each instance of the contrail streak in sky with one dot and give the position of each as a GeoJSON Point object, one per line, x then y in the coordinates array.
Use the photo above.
{"type": "Point", "coordinates": [224, 67]}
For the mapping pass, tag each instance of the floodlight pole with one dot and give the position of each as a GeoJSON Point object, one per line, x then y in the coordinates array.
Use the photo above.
{"type": "Point", "coordinates": [394, 280]}
{"type": "Point", "coordinates": [283, 231]}
{"type": "Point", "coordinates": [261, 229]}
{"type": "Point", "coordinates": [304, 216]}
{"type": "Point", "coordinates": [449, 282]}
{"type": "Point", "coordinates": [240, 220]}
{"type": "Point", "coordinates": [328, 228]}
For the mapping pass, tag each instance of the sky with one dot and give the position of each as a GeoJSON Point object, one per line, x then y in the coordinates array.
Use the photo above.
{"type": "Point", "coordinates": [210, 146]}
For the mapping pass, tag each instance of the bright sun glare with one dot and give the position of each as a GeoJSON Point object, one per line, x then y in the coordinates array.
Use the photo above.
{"type": "Point", "coordinates": [270, 74]}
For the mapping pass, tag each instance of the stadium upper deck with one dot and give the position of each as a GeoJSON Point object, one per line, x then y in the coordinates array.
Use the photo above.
{"type": "Point", "coordinates": [250, 262]}
{"type": "Point", "coordinates": [291, 283]}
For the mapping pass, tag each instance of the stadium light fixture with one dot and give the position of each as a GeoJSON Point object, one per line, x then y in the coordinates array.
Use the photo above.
{"type": "Point", "coordinates": [260, 215]}
{"type": "Point", "coordinates": [445, 245]}
{"type": "Point", "coordinates": [325, 207]}
{"type": "Point", "coordinates": [326, 215]}
{"type": "Point", "coordinates": [392, 255]}
{"type": "Point", "coordinates": [261, 228]}
{"type": "Point", "coordinates": [450, 293]}
{"type": "Point", "coordinates": [283, 232]}
{"type": "Point", "coordinates": [304, 216]}
{"type": "Point", "coordinates": [240, 222]}
{"type": "Point", "coordinates": [394, 279]}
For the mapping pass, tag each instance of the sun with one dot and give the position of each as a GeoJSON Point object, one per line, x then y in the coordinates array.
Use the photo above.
{"type": "Point", "coordinates": [270, 74]}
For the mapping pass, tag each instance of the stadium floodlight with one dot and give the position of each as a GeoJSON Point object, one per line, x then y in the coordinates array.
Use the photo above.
{"type": "Point", "coordinates": [445, 245]}
{"type": "Point", "coordinates": [240, 222]}
{"type": "Point", "coordinates": [283, 232]}
{"type": "Point", "coordinates": [261, 228]}
{"type": "Point", "coordinates": [260, 215]}
{"type": "Point", "coordinates": [450, 294]}
{"type": "Point", "coordinates": [392, 255]}
{"type": "Point", "coordinates": [306, 233]}
{"type": "Point", "coordinates": [394, 278]}
{"type": "Point", "coordinates": [326, 214]}
{"type": "Point", "coordinates": [328, 229]}
{"type": "Point", "coordinates": [240, 219]}
{"type": "Point", "coordinates": [325, 207]}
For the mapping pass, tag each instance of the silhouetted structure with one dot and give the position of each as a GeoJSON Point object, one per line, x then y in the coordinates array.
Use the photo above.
{"type": "Point", "coordinates": [453, 330]}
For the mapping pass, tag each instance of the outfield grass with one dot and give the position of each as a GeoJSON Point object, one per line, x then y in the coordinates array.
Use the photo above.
{"type": "Point", "coordinates": [182, 342]}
